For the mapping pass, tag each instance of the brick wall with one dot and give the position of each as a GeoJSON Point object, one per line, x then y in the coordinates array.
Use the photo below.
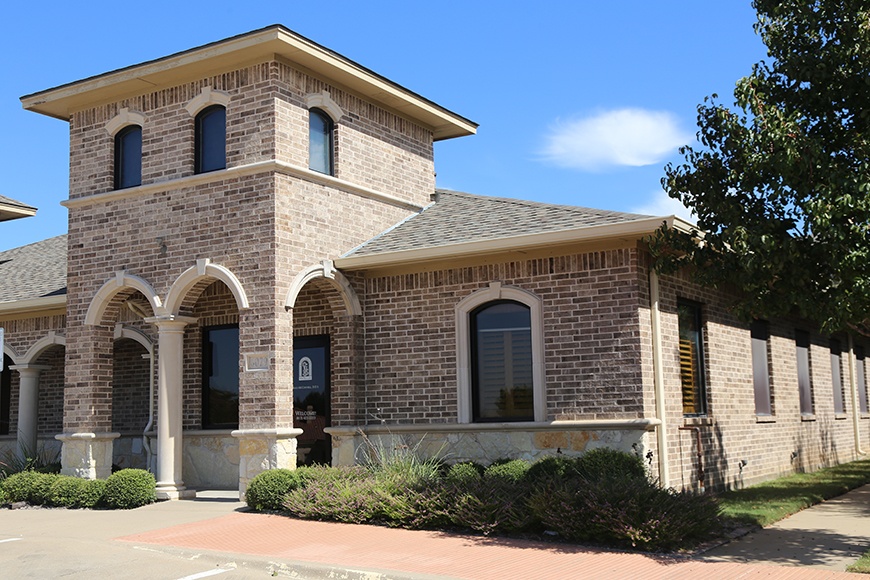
{"type": "Point", "coordinates": [591, 339]}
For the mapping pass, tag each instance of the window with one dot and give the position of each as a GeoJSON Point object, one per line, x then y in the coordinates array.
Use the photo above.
{"type": "Point", "coordinates": [210, 140]}
{"type": "Point", "coordinates": [501, 359]}
{"type": "Point", "coordinates": [760, 332]}
{"type": "Point", "coordinates": [220, 377]}
{"type": "Point", "coordinates": [692, 359]}
{"type": "Point", "coordinates": [861, 379]}
{"type": "Point", "coordinates": [128, 157]}
{"type": "Point", "coordinates": [5, 394]}
{"type": "Point", "coordinates": [837, 377]}
{"type": "Point", "coordinates": [320, 144]}
{"type": "Point", "coordinates": [805, 385]}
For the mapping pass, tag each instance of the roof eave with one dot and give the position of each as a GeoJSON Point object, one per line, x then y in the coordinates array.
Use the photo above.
{"type": "Point", "coordinates": [14, 212]}
{"type": "Point", "coordinates": [634, 229]}
{"type": "Point", "coordinates": [33, 305]}
{"type": "Point", "coordinates": [257, 46]}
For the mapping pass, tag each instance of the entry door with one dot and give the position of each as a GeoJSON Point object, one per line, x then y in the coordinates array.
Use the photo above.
{"type": "Point", "coordinates": [311, 398]}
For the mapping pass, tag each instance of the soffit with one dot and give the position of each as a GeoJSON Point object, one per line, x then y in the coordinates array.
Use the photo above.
{"type": "Point", "coordinates": [274, 42]}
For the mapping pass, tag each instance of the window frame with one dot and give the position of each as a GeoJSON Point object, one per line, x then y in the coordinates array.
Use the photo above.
{"type": "Point", "coordinates": [496, 292]}
{"type": "Point", "coordinates": [122, 156]}
{"type": "Point", "coordinates": [804, 368]}
{"type": "Point", "coordinates": [203, 138]}
{"type": "Point", "coordinates": [476, 361]}
{"type": "Point", "coordinates": [761, 380]}
{"type": "Point", "coordinates": [329, 135]}
{"type": "Point", "coordinates": [207, 374]}
{"type": "Point", "coordinates": [838, 393]}
{"type": "Point", "coordinates": [861, 378]}
{"type": "Point", "coordinates": [6, 394]}
{"type": "Point", "coordinates": [698, 388]}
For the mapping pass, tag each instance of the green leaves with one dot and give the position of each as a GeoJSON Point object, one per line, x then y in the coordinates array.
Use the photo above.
{"type": "Point", "coordinates": [780, 183]}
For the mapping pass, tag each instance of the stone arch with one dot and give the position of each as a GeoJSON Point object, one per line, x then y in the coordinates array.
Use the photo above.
{"type": "Point", "coordinates": [198, 275]}
{"type": "Point", "coordinates": [120, 283]}
{"type": "Point", "coordinates": [323, 101]}
{"type": "Point", "coordinates": [41, 346]}
{"type": "Point", "coordinates": [325, 271]}
{"type": "Point", "coordinates": [134, 334]}
{"type": "Point", "coordinates": [11, 353]}
{"type": "Point", "coordinates": [206, 98]}
{"type": "Point", "coordinates": [124, 118]}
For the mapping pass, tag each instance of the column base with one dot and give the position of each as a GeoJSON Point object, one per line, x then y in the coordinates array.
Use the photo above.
{"type": "Point", "coordinates": [173, 492]}
{"type": "Point", "coordinates": [263, 449]}
{"type": "Point", "coordinates": [86, 455]}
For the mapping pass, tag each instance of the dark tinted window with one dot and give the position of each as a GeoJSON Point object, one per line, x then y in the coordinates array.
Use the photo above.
{"type": "Point", "coordinates": [128, 157]}
{"type": "Point", "coordinates": [760, 369]}
{"type": "Point", "coordinates": [220, 374]}
{"type": "Point", "coordinates": [691, 351]}
{"type": "Point", "coordinates": [805, 386]}
{"type": "Point", "coordinates": [211, 139]}
{"type": "Point", "coordinates": [320, 129]}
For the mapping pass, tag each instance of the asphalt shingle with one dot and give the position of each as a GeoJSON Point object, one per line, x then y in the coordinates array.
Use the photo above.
{"type": "Point", "coordinates": [33, 271]}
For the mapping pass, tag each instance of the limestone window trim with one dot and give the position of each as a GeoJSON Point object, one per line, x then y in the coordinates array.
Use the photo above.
{"type": "Point", "coordinates": [124, 118]}
{"type": "Point", "coordinates": [494, 292]}
{"type": "Point", "coordinates": [206, 98]}
{"type": "Point", "coordinates": [323, 101]}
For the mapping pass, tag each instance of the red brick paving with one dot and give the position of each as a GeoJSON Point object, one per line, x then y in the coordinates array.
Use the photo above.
{"type": "Point", "coordinates": [435, 553]}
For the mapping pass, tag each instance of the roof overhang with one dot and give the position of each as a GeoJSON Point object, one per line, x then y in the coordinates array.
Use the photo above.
{"type": "Point", "coordinates": [271, 43]}
{"type": "Point", "coordinates": [629, 230]}
{"type": "Point", "coordinates": [12, 210]}
{"type": "Point", "coordinates": [33, 305]}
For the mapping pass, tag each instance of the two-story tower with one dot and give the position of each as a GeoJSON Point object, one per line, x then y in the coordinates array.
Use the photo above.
{"type": "Point", "coordinates": [210, 191]}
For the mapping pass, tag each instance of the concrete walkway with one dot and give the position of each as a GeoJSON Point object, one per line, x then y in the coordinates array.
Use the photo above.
{"type": "Point", "coordinates": [217, 537]}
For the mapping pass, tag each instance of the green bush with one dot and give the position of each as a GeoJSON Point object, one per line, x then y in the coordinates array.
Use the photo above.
{"type": "Point", "coordinates": [513, 471]}
{"type": "Point", "coordinates": [625, 511]}
{"type": "Point", "coordinates": [130, 488]}
{"type": "Point", "coordinates": [65, 491]}
{"type": "Point", "coordinates": [552, 467]}
{"type": "Point", "coordinates": [18, 486]}
{"type": "Point", "coordinates": [341, 499]}
{"type": "Point", "coordinates": [41, 487]}
{"type": "Point", "coordinates": [268, 489]}
{"type": "Point", "coordinates": [465, 471]}
{"type": "Point", "coordinates": [604, 463]}
{"type": "Point", "coordinates": [3, 498]}
{"type": "Point", "coordinates": [91, 495]}
{"type": "Point", "coordinates": [491, 505]}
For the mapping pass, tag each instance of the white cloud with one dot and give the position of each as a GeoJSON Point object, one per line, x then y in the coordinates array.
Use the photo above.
{"type": "Point", "coordinates": [660, 204]}
{"type": "Point", "coordinates": [633, 137]}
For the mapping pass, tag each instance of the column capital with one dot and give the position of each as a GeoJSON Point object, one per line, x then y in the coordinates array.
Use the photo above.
{"type": "Point", "coordinates": [29, 369]}
{"type": "Point", "coordinates": [170, 321]}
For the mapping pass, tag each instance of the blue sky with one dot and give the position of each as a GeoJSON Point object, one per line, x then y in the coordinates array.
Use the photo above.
{"type": "Point", "coordinates": [579, 102]}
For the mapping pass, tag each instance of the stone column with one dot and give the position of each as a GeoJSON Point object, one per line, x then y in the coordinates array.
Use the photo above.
{"type": "Point", "coordinates": [170, 349]}
{"type": "Point", "coordinates": [262, 449]}
{"type": "Point", "coordinates": [28, 408]}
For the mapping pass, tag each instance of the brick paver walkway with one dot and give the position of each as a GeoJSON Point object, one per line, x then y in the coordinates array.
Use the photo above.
{"type": "Point", "coordinates": [449, 555]}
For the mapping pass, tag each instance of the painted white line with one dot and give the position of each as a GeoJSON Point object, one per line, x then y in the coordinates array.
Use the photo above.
{"type": "Point", "coordinates": [204, 574]}
{"type": "Point", "coordinates": [10, 540]}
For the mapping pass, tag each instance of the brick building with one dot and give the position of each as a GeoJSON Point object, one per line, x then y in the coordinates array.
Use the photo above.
{"type": "Point", "coordinates": [260, 272]}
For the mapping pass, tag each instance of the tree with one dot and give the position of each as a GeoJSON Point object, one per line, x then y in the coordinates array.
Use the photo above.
{"type": "Point", "coordinates": [780, 186]}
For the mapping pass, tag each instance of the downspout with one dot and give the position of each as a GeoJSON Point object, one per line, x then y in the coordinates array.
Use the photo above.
{"type": "Point", "coordinates": [856, 409]}
{"type": "Point", "coordinates": [145, 442]}
{"type": "Point", "coordinates": [658, 379]}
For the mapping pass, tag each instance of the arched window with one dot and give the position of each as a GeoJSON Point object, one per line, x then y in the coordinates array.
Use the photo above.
{"type": "Point", "coordinates": [128, 157]}
{"type": "Point", "coordinates": [210, 140]}
{"type": "Point", "coordinates": [501, 361]}
{"type": "Point", "coordinates": [500, 356]}
{"type": "Point", "coordinates": [320, 143]}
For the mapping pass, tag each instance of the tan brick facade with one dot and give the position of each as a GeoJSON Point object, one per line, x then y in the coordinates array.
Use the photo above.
{"type": "Point", "coordinates": [253, 245]}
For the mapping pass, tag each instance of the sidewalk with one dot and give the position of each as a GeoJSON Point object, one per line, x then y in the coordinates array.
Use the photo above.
{"type": "Point", "coordinates": [812, 544]}
{"type": "Point", "coordinates": [215, 536]}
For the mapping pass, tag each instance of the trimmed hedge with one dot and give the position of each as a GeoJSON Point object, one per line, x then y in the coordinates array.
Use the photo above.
{"type": "Point", "coordinates": [268, 489]}
{"type": "Point", "coordinates": [130, 488]}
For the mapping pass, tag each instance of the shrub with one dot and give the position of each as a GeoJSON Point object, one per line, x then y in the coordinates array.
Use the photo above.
{"type": "Point", "coordinates": [343, 499]}
{"type": "Point", "coordinates": [466, 471]}
{"type": "Point", "coordinates": [65, 491]}
{"type": "Point", "coordinates": [268, 489]}
{"type": "Point", "coordinates": [91, 495]}
{"type": "Point", "coordinates": [491, 505]}
{"type": "Point", "coordinates": [40, 487]}
{"type": "Point", "coordinates": [130, 488]}
{"type": "Point", "coordinates": [552, 467]}
{"type": "Point", "coordinates": [606, 463]}
{"type": "Point", "coordinates": [3, 498]}
{"type": "Point", "coordinates": [18, 486]}
{"type": "Point", "coordinates": [628, 512]}
{"type": "Point", "coordinates": [512, 471]}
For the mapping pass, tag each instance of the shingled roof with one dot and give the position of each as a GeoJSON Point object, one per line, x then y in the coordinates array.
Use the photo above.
{"type": "Point", "coordinates": [37, 270]}
{"type": "Point", "coordinates": [11, 209]}
{"type": "Point", "coordinates": [457, 217]}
